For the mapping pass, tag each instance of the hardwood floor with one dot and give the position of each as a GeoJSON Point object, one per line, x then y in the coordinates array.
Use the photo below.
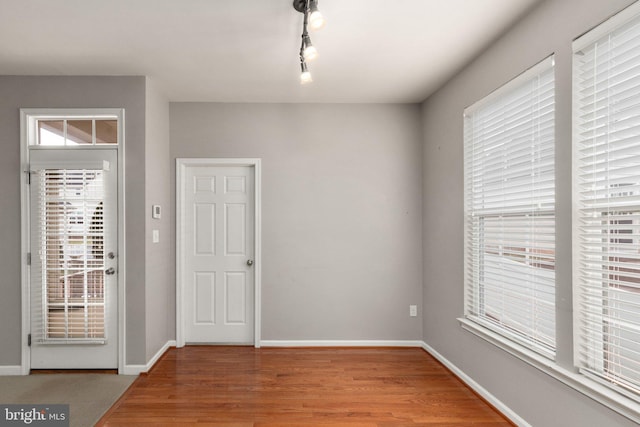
{"type": "Point", "coordinates": [248, 387]}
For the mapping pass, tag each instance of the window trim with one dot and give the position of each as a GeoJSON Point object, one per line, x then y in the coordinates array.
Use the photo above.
{"type": "Point", "coordinates": [511, 341]}
{"type": "Point", "coordinates": [582, 42]}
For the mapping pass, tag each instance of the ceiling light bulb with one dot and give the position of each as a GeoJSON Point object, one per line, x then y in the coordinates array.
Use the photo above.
{"type": "Point", "coordinates": [310, 53]}
{"type": "Point", "coordinates": [305, 75]}
{"type": "Point", "coordinates": [316, 20]}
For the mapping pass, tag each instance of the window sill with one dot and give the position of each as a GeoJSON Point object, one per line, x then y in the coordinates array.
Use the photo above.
{"type": "Point", "coordinates": [590, 388]}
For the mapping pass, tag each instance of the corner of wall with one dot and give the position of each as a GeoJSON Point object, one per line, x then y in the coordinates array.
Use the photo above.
{"type": "Point", "coordinates": [159, 287]}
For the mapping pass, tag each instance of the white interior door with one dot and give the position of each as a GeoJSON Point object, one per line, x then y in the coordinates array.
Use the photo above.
{"type": "Point", "coordinates": [73, 280]}
{"type": "Point", "coordinates": [218, 244]}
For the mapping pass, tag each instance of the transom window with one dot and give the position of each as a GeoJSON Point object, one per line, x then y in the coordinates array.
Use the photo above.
{"type": "Point", "coordinates": [76, 131]}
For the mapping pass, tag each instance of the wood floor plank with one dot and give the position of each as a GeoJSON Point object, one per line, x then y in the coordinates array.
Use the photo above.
{"type": "Point", "coordinates": [286, 387]}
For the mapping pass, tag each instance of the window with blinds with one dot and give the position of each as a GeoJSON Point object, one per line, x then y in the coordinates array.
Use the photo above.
{"type": "Point", "coordinates": [607, 202]}
{"type": "Point", "coordinates": [510, 210]}
{"type": "Point", "coordinates": [70, 257]}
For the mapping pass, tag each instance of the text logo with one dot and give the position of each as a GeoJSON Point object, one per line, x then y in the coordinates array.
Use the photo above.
{"type": "Point", "coordinates": [34, 415]}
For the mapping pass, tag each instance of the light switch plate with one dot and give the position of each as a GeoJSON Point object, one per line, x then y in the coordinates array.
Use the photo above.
{"type": "Point", "coordinates": [156, 236]}
{"type": "Point", "coordinates": [156, 212]}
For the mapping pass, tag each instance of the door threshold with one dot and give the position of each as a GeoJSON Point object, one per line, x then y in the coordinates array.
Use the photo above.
{"type": "Point", "coordinates": [73, 371]}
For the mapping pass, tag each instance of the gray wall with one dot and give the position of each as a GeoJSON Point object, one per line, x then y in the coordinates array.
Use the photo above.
{"type": "Point", "coordinates": [538, 398]}
{"type": "Point", "coordinates": [69, 92]}
{"type": "Point", "coordinates": [341, 208]}
{"type": "Point", "coordinates": [160, 286]}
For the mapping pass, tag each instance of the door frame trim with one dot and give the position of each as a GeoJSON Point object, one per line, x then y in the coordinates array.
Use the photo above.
{"type": "Point", "coordinates": [27, 115]}
{"type": "Point", "coordinates": [181, 168]}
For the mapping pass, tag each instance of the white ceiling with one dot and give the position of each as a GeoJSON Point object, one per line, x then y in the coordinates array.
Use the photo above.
{"type": "Point", "coordinates": [247, 51]}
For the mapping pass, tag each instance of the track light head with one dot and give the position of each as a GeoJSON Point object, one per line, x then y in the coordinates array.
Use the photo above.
{"type": "Point", "coordinates": [305, 75]}
{"type": "Point", "coordinates": [316, 20]}
{"type": "Point", "coordinates": [310, 7]}
{"type": "Point", "coordinates": [309, 52]}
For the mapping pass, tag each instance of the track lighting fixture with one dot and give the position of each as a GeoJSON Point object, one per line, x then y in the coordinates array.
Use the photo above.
{"type": "Point", "coordinates": [314, 19]}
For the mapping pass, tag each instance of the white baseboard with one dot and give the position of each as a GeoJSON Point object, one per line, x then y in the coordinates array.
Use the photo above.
{"type": "Point", "coordinates": [139, 369]}
{"type": "Point", "coordinates": [133, 369]}
{"type": "Point", "coordinates": [339, 343]}
{"type": "Point", "coordinates": [504, 409]}
{"type": "Point", "coordinates": [10, 370]}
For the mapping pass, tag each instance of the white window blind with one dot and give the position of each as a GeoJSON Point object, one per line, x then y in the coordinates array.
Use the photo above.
{"type": "Point", "coordinates": [69, 262]}
{"type": "Point", "coordinates": [510, 210]}
{"type": "Point", "coordinates": [607, 202]}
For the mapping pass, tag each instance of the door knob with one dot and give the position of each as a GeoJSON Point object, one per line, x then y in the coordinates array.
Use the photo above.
{"type": "Point", "coordinates": [111, 255]}
{"type": "Point", "coordinates": [110, 271]}
{"type": "Point", "coordinates": [249, 262]}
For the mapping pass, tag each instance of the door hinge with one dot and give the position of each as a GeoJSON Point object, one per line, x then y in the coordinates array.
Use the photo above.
{"type": "Point", "coordinates": [28, 258]}
{"type": "Point", "coordinates": [28, 177]}
{"type": "Point", "coordinates": [29, 340]}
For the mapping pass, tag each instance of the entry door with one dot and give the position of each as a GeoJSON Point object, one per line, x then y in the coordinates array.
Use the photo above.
{"type": "Point", "coordinates": [218, 244]}
{"type": "Point", "coordinates": [73, 285]}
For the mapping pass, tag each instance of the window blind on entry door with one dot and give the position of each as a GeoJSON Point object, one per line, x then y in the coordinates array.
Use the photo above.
{"type": "Point", "coordinates": [69, 258]}
{"type": "Point", "coordinates": [607, 202]}
{"type": "Point", "coordinates": [510, 210]}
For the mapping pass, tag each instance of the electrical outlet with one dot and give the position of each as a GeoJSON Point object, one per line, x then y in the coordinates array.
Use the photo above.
{"type": "Point", "coordinates": [413, 310]}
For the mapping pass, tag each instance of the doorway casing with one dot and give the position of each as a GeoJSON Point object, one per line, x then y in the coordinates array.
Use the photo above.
{"type": "Point", "coordinates": [181, 167]}
{"type": "Point", "coordinates": [27, 120]}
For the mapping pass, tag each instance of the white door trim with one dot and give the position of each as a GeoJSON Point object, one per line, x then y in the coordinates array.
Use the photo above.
{"type": "Point", "coordinates": [181, 167]}
{"type": "Point", "coordinates": [27, 117]}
